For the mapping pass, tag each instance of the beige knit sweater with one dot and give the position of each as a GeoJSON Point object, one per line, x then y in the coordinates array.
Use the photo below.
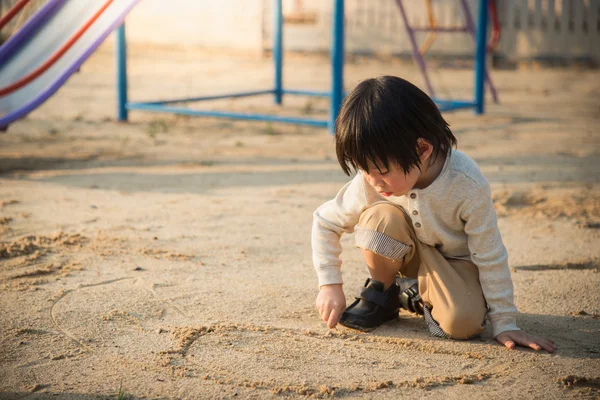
{"type": "Point", "coordinates": [456, 215]}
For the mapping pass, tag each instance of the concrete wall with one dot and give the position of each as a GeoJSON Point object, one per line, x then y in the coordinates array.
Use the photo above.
{"type": "Point", "coordinates": [233, 24]}
{"type": "Point", "coordinates": [568, 29]}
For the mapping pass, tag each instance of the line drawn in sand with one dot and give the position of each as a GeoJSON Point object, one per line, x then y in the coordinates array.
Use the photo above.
{"type": "Point", "coordinates": [62, 296]}
{"type": "Point", "coordinates": [245, 340]}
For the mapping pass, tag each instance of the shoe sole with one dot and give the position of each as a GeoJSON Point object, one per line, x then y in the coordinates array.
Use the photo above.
{"type": "Point", "coordinates": [359, 328]}
{"type": "Point", "coordinates": [356, 327]}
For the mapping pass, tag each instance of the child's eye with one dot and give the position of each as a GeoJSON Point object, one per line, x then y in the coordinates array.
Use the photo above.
{"type": "Point", "coordinates": [382, 173]}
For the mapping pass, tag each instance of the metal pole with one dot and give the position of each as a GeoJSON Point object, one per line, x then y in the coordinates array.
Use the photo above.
{"type": "Point", "coordinates": [278, 49]}
{"type": "Point", "coordinates": [415, 49]}
{"type": "Point", "coordinates": [337, 63]}
{"type": "Point", "coordinates": [480, 57]}
{"type": "Point", "coordinates": [121, 54]}
{"type": "Point", "coordinates": [471, 29]}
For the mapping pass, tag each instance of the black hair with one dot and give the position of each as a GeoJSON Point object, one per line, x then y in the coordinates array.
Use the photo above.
{"type": "Point", "coordinates": [382, 119]}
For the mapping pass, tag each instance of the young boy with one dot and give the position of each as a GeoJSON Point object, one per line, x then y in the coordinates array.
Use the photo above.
{"type": "Point", "coordinates": [423, 218]}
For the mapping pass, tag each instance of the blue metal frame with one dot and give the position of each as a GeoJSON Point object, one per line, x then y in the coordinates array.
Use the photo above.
{"type": "Point", "coordinates": [336, 93]}
{"type": "Point", "coordinates": [337, 63]}
{"type": "Point", "coordinates": [449, 105]}
{"type": "Point", "coordinates": [278, 50]}
{"type": "Point", "coordinates": [121, 53]}
{"type": "Point", "coordinates": [202, 98]}
{"type": "Point", "coordinates": [309, 93]}
{"type": "Point", "coordinates": [225, 114]}
{"type": "Point", "coordinates": [480, 57]}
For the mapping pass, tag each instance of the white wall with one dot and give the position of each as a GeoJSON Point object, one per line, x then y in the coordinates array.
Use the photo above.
{"type": "Point", "coordinates": [530, 28]}
{"type": "Point", "coordinates": [212, 23]}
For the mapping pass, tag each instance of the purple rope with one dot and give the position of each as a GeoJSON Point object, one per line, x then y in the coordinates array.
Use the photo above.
{"type": "Point", "coordinates": [415, 49]}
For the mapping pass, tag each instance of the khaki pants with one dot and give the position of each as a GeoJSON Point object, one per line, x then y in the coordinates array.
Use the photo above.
{"type": "Point", "coordinates": [450, 288]}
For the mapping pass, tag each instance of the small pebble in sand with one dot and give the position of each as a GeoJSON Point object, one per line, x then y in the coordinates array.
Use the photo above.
{"type": "Point", "coordinates": [39, 387]}
{"type": "Point", "coordinates": [138, 268]}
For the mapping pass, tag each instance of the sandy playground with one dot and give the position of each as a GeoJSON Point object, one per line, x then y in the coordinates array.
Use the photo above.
{"type": "Point", "coordinates": [171, 256]}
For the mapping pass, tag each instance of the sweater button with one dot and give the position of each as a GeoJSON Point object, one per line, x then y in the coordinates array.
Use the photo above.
{"type": "Point", "coordinates": [413, 195]}
{"type": "Point", "coordinates": [415, 212]}
{"type": "Point", "coordinates": [417, 224]}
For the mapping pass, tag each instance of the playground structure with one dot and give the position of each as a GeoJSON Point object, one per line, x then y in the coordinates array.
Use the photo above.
{"type": "Point", "coordinates": [37, 60]}
{"type": "Point", "coordinates": [336, 92]}
{"type": "Point", "coordinates": [51, 46]}
{"type": "Point", "coordinates": [432, 29]}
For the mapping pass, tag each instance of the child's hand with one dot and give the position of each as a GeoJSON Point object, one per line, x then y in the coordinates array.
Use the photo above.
{"type": "Point", "coordinates": [331, 303]}
{"type": "Point", "coordinates": [512, 338]}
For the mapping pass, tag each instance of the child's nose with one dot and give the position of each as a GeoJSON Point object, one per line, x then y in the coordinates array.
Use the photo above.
{"type": "Point", "coordinates": [374, 181]}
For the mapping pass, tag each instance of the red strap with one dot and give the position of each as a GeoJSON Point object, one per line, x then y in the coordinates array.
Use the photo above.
{"type": "Point", "coordinates": [12, 12]}
{"type": "Point", "coordinates": [495, 26]}
{"type": "Point", "coordinates": [56, 56]}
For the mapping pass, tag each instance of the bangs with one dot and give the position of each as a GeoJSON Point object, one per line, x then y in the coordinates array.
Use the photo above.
{"type": "Point", "coordinates": [359, 151]}
{"type": "Point", "coordinates": [380, 123]}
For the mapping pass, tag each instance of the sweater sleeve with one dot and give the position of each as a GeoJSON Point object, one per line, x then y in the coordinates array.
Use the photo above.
{"type": "Point", "coordinates": [330, 220]}
{"type": "Point", "coordinates": [490, 256]}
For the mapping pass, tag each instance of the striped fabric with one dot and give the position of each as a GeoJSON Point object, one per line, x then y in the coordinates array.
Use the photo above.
{"type": "Point", "coordinates": [433, 326]}
{"type": "Point", "coordinates": [380, 243]}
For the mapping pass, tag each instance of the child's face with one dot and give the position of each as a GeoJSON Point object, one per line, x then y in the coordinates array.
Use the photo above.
{"type": "Point", "coordinates": [392, 181]}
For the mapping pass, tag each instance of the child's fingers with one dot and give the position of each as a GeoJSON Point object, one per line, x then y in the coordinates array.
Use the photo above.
{"type": "Point", "coordinates": [527, 341]}
{"type": "Point", "coordinates": [504, 339]}
{"type": "Point", "coordinates": [538, 343]}
{"type": "Point", "coordinates": [523, 339]}
{"type": "Point", "coordinates": [547, 345]}
{"type": "Point", "coordinates": [535, 346]}
{"type": "Point", "coordinates": [333, 319]}
{"type": "Point", "coordinates": [325, 314]}
{"type": "Point", "coordinates": [510, 344]}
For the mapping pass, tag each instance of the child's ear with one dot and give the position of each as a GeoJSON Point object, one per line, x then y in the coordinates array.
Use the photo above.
{"type": "Point", "coordinates": [425, 149]}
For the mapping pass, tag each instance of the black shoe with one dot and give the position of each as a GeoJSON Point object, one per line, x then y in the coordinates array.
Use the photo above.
{"type": "Point", "coordinates": [373, 307]}
{"type": "Point", "coordinates": [410, 299]}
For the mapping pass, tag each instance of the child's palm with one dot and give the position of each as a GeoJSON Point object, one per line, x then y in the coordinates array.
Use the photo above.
{"type": "Point", "coordinates": [512, 338]}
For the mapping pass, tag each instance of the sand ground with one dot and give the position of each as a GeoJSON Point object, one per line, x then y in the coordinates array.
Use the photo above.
{"type": "Point", "coordinates": [171, 255]}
